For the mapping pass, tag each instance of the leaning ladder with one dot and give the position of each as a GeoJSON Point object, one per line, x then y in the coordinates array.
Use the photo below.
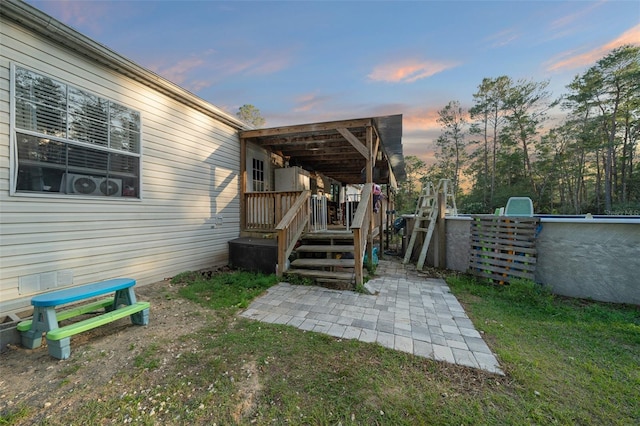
{"type": "Point", "coordinates": [426, 209]}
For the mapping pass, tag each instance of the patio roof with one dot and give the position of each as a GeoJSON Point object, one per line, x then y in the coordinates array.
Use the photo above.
{"type": "Point", "coordinates": [338, 149]}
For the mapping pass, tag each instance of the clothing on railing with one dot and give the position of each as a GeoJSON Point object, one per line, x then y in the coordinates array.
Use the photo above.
{"type": "Point", "coordinates": [378, 196]}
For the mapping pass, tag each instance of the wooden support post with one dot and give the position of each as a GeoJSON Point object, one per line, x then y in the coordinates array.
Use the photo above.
{"type": "Point", "coordinates": [369, 174]}
{"type": "Point", "coordinates": [381, 230]}
{"type": "Point", "coordinates": [387, 218]}
{"type": "Point", "coordinates": [278, 210]}
{"type": "Point", "coordinates": [440, 261]}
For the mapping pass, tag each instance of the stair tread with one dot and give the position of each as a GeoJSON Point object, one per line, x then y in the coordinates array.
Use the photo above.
{"type": "Point", "coordinates": [335, 235]}
{"type": "Point", "coordinates": [318, 263]}
{"type": "Point", "coordinates": [325, 248]}
{"type": "Point", "coordinates": [315, 273]}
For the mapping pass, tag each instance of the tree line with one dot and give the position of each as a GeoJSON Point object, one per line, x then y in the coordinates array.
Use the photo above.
{"type": "Point", "coordinates": [506, 145]}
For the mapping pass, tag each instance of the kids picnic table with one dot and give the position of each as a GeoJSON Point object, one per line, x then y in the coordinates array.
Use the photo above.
{"type": "Point", "coordinates": [49, 309]}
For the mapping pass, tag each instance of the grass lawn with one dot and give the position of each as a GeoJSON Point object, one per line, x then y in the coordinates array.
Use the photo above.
{"type": "Point", "coordinates": [566, 362]}
{"type": "Point", "coordinates": [571, 361]}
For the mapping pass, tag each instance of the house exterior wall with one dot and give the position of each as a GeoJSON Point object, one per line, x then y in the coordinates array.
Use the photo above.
{"type": "Point", "coordinates": [189, 205]}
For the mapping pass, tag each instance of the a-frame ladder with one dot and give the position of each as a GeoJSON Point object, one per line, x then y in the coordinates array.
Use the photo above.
{"type": "Point", "coordinates": [426, 210]}
{"type": "Point", "coordinates": [446, 187]}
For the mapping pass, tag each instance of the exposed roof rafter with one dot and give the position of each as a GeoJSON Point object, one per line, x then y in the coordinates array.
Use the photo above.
{"type": "Point", "coordinates": [338, 149]}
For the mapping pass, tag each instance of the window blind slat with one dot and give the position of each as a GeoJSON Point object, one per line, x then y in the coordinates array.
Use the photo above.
{"type": "Point", "coordinates": [53, 155]}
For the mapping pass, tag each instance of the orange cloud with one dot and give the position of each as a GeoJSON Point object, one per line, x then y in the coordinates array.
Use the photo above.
{"type": "Point", "coordinates": [420, 128]}
{"type": "Point", "coordinates": [261, 64]}
{"type": "Point", "coordinates": [420, 120]}
{"type": "Point", "coordinates": [573, 60]}
{"type": "Point", "coordinates": [75, 13]}
{"type": "Point", "coordinates": [87, 15]}
{"type": "Point", "coordinates": [308, 102]}
{"type": "Point", "coordinates": [178, 72]}
{"type": "Point", "coordinates": [408, 71]}
{"type": "Point", "coordinates": [184, 71]}
{"type": "Point", "coordinates": [419, 145]}
{"type": "Point", "coordinates": [196, 85]}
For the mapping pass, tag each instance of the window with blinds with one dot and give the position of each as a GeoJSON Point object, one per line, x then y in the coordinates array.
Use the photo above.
{"type": "Point", "coordinates": [70, 141]}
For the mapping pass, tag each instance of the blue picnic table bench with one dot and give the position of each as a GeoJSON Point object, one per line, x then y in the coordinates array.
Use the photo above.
{"type": "Point", "coordinates": [46, 316]}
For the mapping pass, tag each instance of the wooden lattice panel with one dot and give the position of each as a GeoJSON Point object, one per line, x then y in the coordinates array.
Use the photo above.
{"type": "Point", "coordinates": [503, 248]}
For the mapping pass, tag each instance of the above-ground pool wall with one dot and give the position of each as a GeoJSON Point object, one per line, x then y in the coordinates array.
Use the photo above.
{"type": "Point", "coordinates": [593, 259]}
{"type": "Point", "coordinates": [458, 239]}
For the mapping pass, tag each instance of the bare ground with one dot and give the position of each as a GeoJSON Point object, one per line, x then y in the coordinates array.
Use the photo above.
{"type": "Point", "coordinates": [51, 389]}
{"type": "Point", "coordinates": [49, 386]}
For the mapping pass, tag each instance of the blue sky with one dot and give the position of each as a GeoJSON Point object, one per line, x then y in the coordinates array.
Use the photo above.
{"type": "Point", "coordinates": [312, 61]}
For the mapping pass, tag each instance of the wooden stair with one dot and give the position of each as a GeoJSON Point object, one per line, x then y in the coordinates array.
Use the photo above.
{"type": "Point", "coordinates": [326, 258]}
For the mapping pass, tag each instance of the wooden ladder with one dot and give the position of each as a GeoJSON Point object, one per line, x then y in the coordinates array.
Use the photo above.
{"type": "Point", "coordinates": [446, 187]}
{"type": "Point", "coordinates": [427, 210]}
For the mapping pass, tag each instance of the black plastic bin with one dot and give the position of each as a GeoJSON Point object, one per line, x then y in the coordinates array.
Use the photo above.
{"type": "Point", "coordinates": [254, 254]}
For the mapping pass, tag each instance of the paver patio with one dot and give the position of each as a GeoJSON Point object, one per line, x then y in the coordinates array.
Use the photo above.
{"type": "Point", "coordinates": [405, 312]}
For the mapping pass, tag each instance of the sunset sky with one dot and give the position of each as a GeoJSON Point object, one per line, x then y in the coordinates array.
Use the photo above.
{"type": "Point", "coordinates": [311, 61]}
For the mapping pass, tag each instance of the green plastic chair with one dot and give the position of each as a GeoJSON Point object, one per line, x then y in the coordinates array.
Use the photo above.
{"type": "Point", "coordinates": [519, 206]}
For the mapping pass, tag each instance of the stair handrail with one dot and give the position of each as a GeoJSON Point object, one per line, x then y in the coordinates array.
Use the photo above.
{"type": "Point", "coordinates": [360, 226]}
{"type": "Point", "coordinates": [290, 228]}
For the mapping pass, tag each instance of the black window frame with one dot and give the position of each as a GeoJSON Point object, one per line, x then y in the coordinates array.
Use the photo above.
{"type": "Point", "coordinates": [258, 183]}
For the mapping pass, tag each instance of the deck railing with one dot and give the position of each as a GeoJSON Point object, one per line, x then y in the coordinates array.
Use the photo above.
{"type": "Point", "coordinates": [319, 213]}
{"type": "Point", "coordinates": [290, 228]}
{"type": "Point", "coordinates": [350, 206]}
{"type": "Point", "coordinates": [360, 226]}
{"type": "Point", "coordinates": [264, 210]}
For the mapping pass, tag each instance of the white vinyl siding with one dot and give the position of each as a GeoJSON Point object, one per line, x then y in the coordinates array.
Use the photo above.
{"type": "Point", "coordinates": [190, 204]}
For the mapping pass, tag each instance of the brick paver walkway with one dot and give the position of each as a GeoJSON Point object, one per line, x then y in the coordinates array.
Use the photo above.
{"type": "Point", "coordinates": [405, 312]}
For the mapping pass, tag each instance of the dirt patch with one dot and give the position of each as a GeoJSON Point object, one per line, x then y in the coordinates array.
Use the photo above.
{"type": "Point", "coordinates": [35, 379]}
{"type": "Point", "coordinates": [247, 392]}
{"type": "Point", "coordinates": [104, 360]}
